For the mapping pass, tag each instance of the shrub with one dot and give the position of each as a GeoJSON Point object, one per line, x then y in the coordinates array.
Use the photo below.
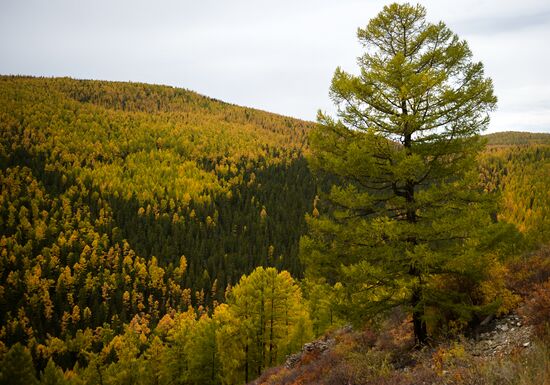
{"type": "Point", "coordinates": [526, 272]}
{"type": "Point", "coordinates": [537, 309]}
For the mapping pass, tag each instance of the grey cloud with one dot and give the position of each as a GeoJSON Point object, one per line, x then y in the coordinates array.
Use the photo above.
{"type": "Point", "coordinates": [505, 24]}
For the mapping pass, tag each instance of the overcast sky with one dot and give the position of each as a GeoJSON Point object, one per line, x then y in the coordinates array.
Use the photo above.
{"type": "Point", "coordinates": [278, 56]}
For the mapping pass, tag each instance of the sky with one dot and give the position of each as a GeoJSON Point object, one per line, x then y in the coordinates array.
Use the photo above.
{"type": "Point", "coordinates": [277, 56]}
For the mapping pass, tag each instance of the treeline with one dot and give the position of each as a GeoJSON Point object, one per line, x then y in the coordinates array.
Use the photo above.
{"type": "Point", "coordinates": [517, 138]}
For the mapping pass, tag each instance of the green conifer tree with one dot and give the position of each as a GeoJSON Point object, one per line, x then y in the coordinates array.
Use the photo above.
{"type": "Point", "coordinates": [17, 368]}
{"type": "Point", "coordinates": [405, 213]}
{"type": "Point", "coordinates": [52, 375]}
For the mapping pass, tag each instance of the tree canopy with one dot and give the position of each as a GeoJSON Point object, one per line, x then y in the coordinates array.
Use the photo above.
{"type": "Point", "coordinates": [406, 221]}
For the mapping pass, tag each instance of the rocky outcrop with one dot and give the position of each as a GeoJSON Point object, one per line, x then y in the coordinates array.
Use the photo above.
{"type": "Point", "coordinates": [316, 347]}
{"type": "Point", "coordinates": [502, 336]}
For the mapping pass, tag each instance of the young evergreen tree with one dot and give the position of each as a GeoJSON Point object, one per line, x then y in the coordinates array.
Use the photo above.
{"type": "Point", "coordinates": [17, 367]}
{"type": "Point", "coordinates": [405, 215]}
{"type": "Point", "coordinates": [52, 375]}
{"type": "Point", "coordinates": [267, 321]}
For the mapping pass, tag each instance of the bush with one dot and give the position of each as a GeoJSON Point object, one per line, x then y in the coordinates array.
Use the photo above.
{"type": "Point", "coordinates": [537, 309]}
{"type": "Point", "coordinates": [531, 270]}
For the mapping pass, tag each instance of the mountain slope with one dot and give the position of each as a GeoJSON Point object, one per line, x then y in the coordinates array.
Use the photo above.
{"type": "Point", "coordinates": [517, 166]}
{"type": "Point", "coordinates": [155, 197]}
{"type": "Point", "coordinates": [515, 138]}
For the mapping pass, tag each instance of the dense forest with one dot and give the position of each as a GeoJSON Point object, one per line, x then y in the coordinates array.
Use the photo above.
{"type": "Point", "coordinates": [122, 200]}
{"type": "Point", "coordinates": [151, 235]}
{"type": "Point", "coordinates": [517, 166]}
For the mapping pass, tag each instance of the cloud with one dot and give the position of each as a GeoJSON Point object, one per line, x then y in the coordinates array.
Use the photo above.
{"type": "Point", "coordinates": [488, 25]}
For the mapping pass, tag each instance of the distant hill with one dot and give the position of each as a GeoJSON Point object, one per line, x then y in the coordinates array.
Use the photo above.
{"type": "Point", "coordinates": [510, 138]}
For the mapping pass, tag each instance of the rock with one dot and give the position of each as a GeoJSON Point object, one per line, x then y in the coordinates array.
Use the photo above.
{"type": "Point", "coordinates": [501, 337]}
{"type": "Point", "coordinates": [318, 346]}
{"type": "Point", "coordinates": [292, 360]}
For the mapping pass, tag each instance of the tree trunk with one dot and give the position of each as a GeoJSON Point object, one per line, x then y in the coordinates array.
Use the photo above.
{"type": "Point", "coordinates": [246, 363]}
{"type": "Point", "coordinates": [271, 324]}
{"type": "Point", "coordinates": [419, 325]}
{"type": "Point", "coordinates": [261, 342]}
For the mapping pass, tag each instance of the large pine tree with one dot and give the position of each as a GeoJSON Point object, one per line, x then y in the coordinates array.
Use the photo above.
{"type": "Point", "coordinates": [405, 219]}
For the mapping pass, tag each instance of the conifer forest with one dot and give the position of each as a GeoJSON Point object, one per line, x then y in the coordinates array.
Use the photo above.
{"type": "Point", "coordinates": [153, 235]}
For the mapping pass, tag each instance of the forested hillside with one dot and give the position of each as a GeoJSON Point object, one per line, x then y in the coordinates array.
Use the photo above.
{"type": "Point", "coordinates": [517, 165]}
{"type": "Point", "coordinates": [121, 199]}
{"type": "Point", "coordinates": [129, 214]}
{"type": "Point", "coordinates": [517, 138]}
